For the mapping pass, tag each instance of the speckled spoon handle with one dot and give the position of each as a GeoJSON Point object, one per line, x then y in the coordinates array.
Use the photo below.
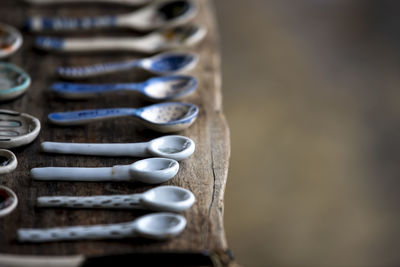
{"type": "Point", "coordinates": [98, 69]}
{"type": "Point", "coordinates": [107, 202]}
{"type": "Point", "coordinates": [121, 2]}
{"type": "Point", "coordinates": [116, 173]}
{"type": "Point", "coordinates": [130, 149]}
{"type": "Point", "coordinates": [38, 23]}
{"type": "Point", "coordinates": [87, 116]}
{"type": "Point", "coordinates": [121, 230]}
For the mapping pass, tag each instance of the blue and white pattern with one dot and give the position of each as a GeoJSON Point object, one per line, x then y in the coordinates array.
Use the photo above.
{"type": "Point", "coordinates": [96, 69]}
{"type": "Point", "coordinates": [172, 62]}
{"type": "Point", "coordinates": [45, 23]}
{"type": "Point", "coordinates": [49, 43]}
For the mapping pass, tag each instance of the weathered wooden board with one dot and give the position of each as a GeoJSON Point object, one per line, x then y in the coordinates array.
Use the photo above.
{"type": "Point", "coordinates": [205, 173]}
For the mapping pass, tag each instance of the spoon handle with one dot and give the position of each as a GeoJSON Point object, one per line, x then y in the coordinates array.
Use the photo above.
{"type": "Point", "coordinates": [120, 230]}
{"type": "Point", "coordinates": [84, 91]}
{"type": "Point", "coordinates": [116, 173]}
{"type": "Point", "coordinates": [38, 23]}
{"type": "Point", "coordinates": [146, 44]}
{"type": "Point", "coordinates": [86, 116]}
{"type": "Point", "coordinates": [96, 70]}
{"type": "Point", "coordinates": [130, 150]}
{"type": "Point", "coordinates": [106, 202]}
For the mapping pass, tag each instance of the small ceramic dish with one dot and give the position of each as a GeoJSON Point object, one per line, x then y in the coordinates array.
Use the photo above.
{"type": "Point", "coordinates": [10, 40]}
{"type": "Point", "coordinates": [13, 81]}
{"type": "Point", "coordinates": [17, 129]}
{"type": "Point", "coordinates": [8, 161]}
{"type": "Point", "coordinates": [8, 200]}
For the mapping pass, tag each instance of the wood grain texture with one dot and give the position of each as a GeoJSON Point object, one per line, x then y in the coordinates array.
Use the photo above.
{"type": "Point", "coordinates": [205, 173]}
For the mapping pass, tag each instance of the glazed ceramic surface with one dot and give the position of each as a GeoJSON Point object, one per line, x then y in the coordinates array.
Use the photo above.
{"type": "Point", "coordinates": [151, 171]}
{"type": "Point", "coordinates": [162, 40]}
{"type": "Point", "coordinates": [13, 81]}
{"type": "Point", "coordinates": [161, 64]}
{"type": "Point", "coordinates": [8, 200]}
{"type": "Point", "coordinates": [161, 198]}
{"type": "Point", "coordinates": [8, 161]}
{"type": "Point", "coordinates": [10, 40]}
{"type": "Point", "coordinates": [163, 117]}
{"type": "Point", "coordinates": [151, 17]}
{"type": "Point", "coordinates": [159, 226]}
{"type": "Point", "coordinates": [175, 147]}
{"type": "Point", "coordinates": [17, 129]}
{"type": "Point", "coordinates": [154, 89]}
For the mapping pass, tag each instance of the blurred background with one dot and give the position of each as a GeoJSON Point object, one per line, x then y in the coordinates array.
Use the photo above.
{"type": "Point", "coordinates": [311, 93]}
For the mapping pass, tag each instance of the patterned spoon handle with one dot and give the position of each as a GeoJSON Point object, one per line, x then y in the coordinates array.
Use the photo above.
{"type": "Point", "coordinates": [92, 202]}
{"type": "Point", "coordinates": [121, 230]}
{"type": "Point", "coordinates": [38, 23]}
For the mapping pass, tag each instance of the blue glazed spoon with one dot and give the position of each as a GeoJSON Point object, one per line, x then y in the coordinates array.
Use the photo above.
{"type": "Point", "coordinates": [154, 89]}
{"type": "Point", "coordinates": [164, 117]}
{"type": "Point", "coordinates": [161, 64]}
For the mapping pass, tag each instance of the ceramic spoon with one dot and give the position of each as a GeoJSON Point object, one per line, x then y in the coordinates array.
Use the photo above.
{"type": "Point", "coordinates": [161, 64]}
{"type": "Point", "coordinates": [151, 17]}
{"type": "Point", "coordinates": [154, 89]}
{"type": "Point", "coordinates": [165, 39]}
{"type": "Point", "coordinates": [162, 198]}
{"type": "Point", "coordinates": [164, 117]}
{"type": "Point", "coordinates": [8, 161]}
{"type": "Point", "coordinates": [158, 226]}
{"type": "Point", "coordinates": [173, 146]}
{"type": "Point", "coordinates": [151, 171]}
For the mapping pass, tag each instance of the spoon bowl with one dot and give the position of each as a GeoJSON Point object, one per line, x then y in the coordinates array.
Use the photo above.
{"type": "Point", "coordinates": [154, 170]}
{"type": "Point", "coordinates": [161, 64]}
{"type": "Point", "coordinates": [173, 146]}
{"type": "Point", "coordinates": [160, 225]}
{"type": "Point", "coordinates": [168, 198]}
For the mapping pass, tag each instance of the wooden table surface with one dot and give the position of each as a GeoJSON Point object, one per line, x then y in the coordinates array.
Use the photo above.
{"type": "Point", "coordinates": [205, 173]}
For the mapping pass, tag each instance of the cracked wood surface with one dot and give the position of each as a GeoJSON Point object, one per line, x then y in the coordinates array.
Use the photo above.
{"type": "Point", "coordinates": [205, 173]}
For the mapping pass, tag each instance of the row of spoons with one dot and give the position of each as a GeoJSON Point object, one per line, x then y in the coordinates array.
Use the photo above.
{"type": "Point", "coordinates": [164, 117]}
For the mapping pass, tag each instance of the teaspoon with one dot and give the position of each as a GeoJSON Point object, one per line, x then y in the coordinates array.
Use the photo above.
{"type": "Point", "coordinates": [161, 64]}
{"type": "Point", "coordinates": [172, 146]}
{"type": "Point", "coordinates": [151, 171]}
{"type": "Point", "coordinates": [154, 89]}
{"type": "Point", "coordinates": [164, 117]}
{"type": "Point", "coordinates": [157, 41]}
{"type": "Point", "coordinates": [161, 198]}
{"type": "Point", "coordinates": [159, 226]}
{"type": "Point", "coordinates": [151, 17]}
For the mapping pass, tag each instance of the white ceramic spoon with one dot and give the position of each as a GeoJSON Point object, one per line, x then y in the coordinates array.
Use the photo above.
{"type": "Point", "coordinates": [158, 226]}
{"type": "Point", "coordinates": [157, 41]}
{"type": "Point", "coordinates": [161, 198]}
{"type": "Point", "coordinates": [150, 17]}
{"type": "Point", "coordinates": [154, 89]}
{"type": "Point", "coordinates": [121, 2]}
{"type": "Point", "coordinates": [151, 171]}
{"type": "Point", "coordinates": [172, 146]}
{"type": "Point", "coordinates": [161, 64]}
{"type": "Point", "coordinates": [8, 200]}
{"type": "Point", "coordinates": [164, 117]}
